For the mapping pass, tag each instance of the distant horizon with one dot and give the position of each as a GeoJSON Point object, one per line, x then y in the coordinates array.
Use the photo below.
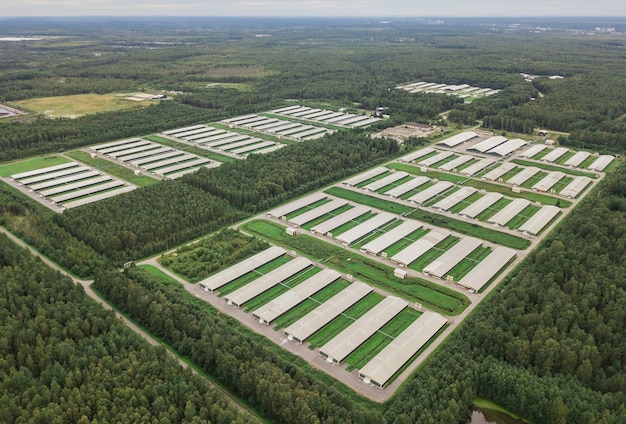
{"type": "Point", "coordinates": [316, 8]}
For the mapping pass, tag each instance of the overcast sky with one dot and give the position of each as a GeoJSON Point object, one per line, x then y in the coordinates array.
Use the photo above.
{"type": "Point", "coordinates": [373, 8]}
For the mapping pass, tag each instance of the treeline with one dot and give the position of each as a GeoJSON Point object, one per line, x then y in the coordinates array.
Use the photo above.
{"type": "Point", "coordinates": [199, 260]}
{"type": "Point", "coordinates": [495, 111]}
{"type": "Point", "coordinates": [147, 221]}
{"type": "Point", "coordinates": [549, 344]}
{"type": "Point", "coordinates": [36, 225]}
{"type": "Point", "coordinates": [66, 359]}
{"type": "Point", "coordinates": [42, 135]}
{"type": "Point", "coordinates": [262, 181]}
{"type": "Point", "coordinates": [279, 385]}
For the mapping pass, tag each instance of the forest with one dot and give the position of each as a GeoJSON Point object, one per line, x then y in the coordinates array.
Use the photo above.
{"type": "Point", "coordinates": [548, 344]}
{"type": "Point", "coordinates": [66, 359]}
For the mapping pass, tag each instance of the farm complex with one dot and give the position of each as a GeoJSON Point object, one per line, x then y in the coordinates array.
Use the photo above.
{"type": "Point", "coordinates": [371, 328]}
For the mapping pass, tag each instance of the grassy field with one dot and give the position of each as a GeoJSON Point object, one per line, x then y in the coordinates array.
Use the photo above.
{"type": "Point", "coordinates": [9, 169]}
{"type": "Point", "coordinates": [522, 217]}
{"type": "Point", "coordinates": [434, 296]}
{"type": "Point", "coordinates": [401, 244]}
{"type": "Point", "coordinates": [337, 325]}
{"type": "Point", "coordinates": [191, 149]}
{"type": "Point", "coordinates": [438, 250]}
{"type": "Point", "coordinates": [462, 227]}
{"type": "Point", "coordinates": [78, 104]}
{"type": "Point", "coordinates": [549, 167]}
{"type": "Point", "coordinates": [158, 273]}
{"type": "Point", "coordinates": [112, 168]}
{"type": "Point", "coordinates": [364, 353]}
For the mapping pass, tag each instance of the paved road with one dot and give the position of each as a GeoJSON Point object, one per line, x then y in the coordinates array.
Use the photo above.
{"type": "Point", "coordinates": [89, 291]}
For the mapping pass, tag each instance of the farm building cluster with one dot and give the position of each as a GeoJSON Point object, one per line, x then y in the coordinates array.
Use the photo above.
{"type": "Point", "coordinates": [377, 371]}
{"type": "Point", "coordinates": [71, 184]}
{"type": "Point", "coordinates": [223, 141]}
{"type": "Point", "coordinates": [162, 161]}
{"type": "Point", "coordinates": [463, 91]}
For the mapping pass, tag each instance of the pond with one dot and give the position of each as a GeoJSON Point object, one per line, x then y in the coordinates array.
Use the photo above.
{"type": "Point", "coordinates": [489, 416]}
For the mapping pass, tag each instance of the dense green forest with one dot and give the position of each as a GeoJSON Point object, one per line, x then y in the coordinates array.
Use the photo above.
{"type": "Point", "coordinates": [549, 342]}
{"type": "Point", "coordinates": [66, 359]}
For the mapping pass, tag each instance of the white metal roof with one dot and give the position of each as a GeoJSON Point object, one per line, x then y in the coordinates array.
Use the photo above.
{"type": "Point", "coordinates": [434, 159]}
{"type": "Point", "coordinates": [284, 126]}
{"type": "Point", "coordinates": [499, 171]}
{"type": "Point", "coordinates": [178, 130]}
{"type": "Point", "coordinates": [127, 146]}
{"type": "Point", "coordinates": [297, 204]}
{"type": "Point", "coordinates": [538, 221]}
{"type": "Point", "coordinates": [455, 198]}
{"type": "Point", "coordinates": [46, 170]}
{"type": "Point", "coordinates": [52, 175]}
{"type": "Point", "coordinates": [208, 131]}
{"type": "Point", "coordinates": [327, 311]}
{"type": "Point", "coordinates": [276, 307]}
{"type": "Point", "coordinates": [141, 149]}
{"type": "Point", "coordinates": [208, 136]}
{"type": "Point", "coordinates": [509, 212]}
{"type": "Point", "coordinates": [488, 144]}
{"type": "Point", "coordinates": [239, 118]}
{"type": "Point", "coordinates": [508, 147]}
{"type": "Point", "coordinates": [397, 353]}
{"type": "Point", "coordinates": [412, 252]}
{"type": "Point", "coordinates": [148, 153]}
{"type": "Point", "coordinates": [548, 181]}
{"type": "Point", "coordinates": [315, 213]}
{"type": "Point", "coordinates": [451, 258]}
{"type": "Point", "coordinates": [487, 268]}
{"type": "Point", "coordinates": [251, 147]}
{"type": "Point", "coordinates": [193, 132]}
{"type": "Point", "coordinates": [533, 150]}
{"type": "Point", "coordinates": [365, 176]}
{"type": "Point", "coordinates": [362, 329]}
{"type": "Point", "coordinates": [555, 154]}
{"type": "Point", "coordinates": [475, 168]}
{"type": "Point", "coordinates": [455, 163]}
{"type": "Point", "coordinates": [385, 181]}
{"type": "Point", "coordinates": [431, 192]}
{"type": "Point", "coordinates": [98, 197]}
{"type": "Point", "coordinates": [75, 186]}
{"type": "Point", "coordinates": [391, 237]}
{"type": "Point", "coordinates": [417, 154]}
{"type": "Point", "coordinates": [575, 187]}
{"type": "Point", "coordinates": [601, 163]}
{"type": "Point", "coordinates": [244, 141]}
{"type": "Point", "coordinates": [407, 186]}
{"type": "Point", "coordinates": [365, 122]}
{"type": "Point", "coordinates": [339, 220]}
{"type": "Point", "coordinates": [248, 120]}
{"type": "Point", "coordinates": [314, 130]}
{"type": "Point", "coordinates": [286, 109]}
{"type": "Point", "coordinates": [65, 180]}
{"type": "Point", "coordinates": [86, 191]}
{"type": "Point", "coordinates": [482, 204]}
{"type": "Point", "coordinates": [231, 273]}
{"type": "Point", "coordinates": [169, 161]}
{"type": "Point", "coordinates": [523, 176]}
{"type": "Point", "coordinates": [195, 163]}
{"type": "Point", "coordinates": [365, 228]}
{"type": "Point", "coordinates": [267, 281]}
{"type": "Point", "coordinates": [113, 144]}
{"type": "Point", "coordinates": [157, 157]}
{"type": "Point", "coordinates": [577, 159]}
{"type": "Point", "coordinates": [455, 140]}
{"type": "Point", "coordinates": [295, 130]}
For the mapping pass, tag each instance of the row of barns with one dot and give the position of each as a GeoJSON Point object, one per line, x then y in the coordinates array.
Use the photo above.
{"type": "Point", "coordinates": [162, 161]}
{"type": "Point", "coordinates": [342, 119]}
{"type": "Point", "coordinates": [382, 230]}
{"type": "Point", "coordinates": [71, 184]}
{"type": "Point", "coordinates": [234, 143]}
{"type": "Point", "coordinates": [381, 368]}
{"type": "Point", "coordinates": [444, 196]}
{"type": "Point", "coordinates": [461, 90]}
{"type": "Point", "coordinates": [504, 172]}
